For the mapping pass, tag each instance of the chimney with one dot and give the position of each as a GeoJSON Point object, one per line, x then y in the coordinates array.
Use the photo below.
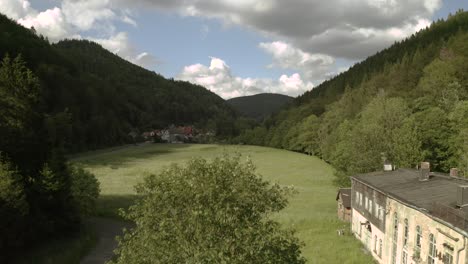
{"type": "Point", "coordinates": [453, 172]}
{"type": "Point", "coordinates": [425, 171]}
{"type": "Point", "coordinates": [462, 195]}
{"type": "Point", "coordinates": [387, 166]}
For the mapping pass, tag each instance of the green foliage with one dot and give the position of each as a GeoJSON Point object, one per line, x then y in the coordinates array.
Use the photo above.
{"type": "Point", "coordinates": [84, 190]}
{"type": "Point", "coordinates": [259, 106]}
{"type": "Point", "coordinates": [406, 103]}
{"type": "Point", "coordinates": [208, 212]}
{"type": "Point", "coordinates": [12, 194]}
{"type": "Point", "coordinates": [92, 98]}
{"type": "Point", "coordinates": [313, 217]}
{"type": "Point", "coordinates": [13, 209]}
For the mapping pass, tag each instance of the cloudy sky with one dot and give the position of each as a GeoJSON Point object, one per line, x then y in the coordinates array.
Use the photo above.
{"type": "Point", "coordinates": [236, 47]}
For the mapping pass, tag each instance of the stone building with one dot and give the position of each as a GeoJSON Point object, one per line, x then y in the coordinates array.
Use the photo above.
{"type": "Point", "coordinates": [343, 198]}
{"type": "Point", "coordinates": [411, 216]}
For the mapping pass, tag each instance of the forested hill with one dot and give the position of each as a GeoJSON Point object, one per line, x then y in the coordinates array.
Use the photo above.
{"type": "Point", "coordinates": [259, 106]}
{"type": "Point", "coordinates": [407, 103]}
{"type": "Point", "coordinates": [100, 97]}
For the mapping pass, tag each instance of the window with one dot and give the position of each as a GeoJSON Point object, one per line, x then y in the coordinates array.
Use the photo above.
{"type": "Point", "coordinates": [360, 229]}
{"type": "Point", "coordinates": [366, 200]}
{"type": "Point", "coordinates": [404, 257]}
{"type": "Point", "coordinates": [370, 206]}
{"type": "Point", "coordinates": [380, 248]}
{"type": "Point", "coordinates": [368, 240]}
{"type": "Point", "coordinates": [448, 254]}
{"type": "Point", "coordinates": [375, 244]}
{"type": "Point", "coordinates": [395, 238]}
{"type": "Point", "coordinates": [417, 244]}
{"type": "Point", "coordinates": [432, 250]}
{"type": "Point", "coordinates": [405, 233]}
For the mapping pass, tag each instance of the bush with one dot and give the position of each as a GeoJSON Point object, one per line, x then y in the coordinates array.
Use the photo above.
{"type": "Point", "coordinates": [208, 212]}
{"type": "Point", "coordinates": [84, 189]}
{"type": "Point", "coordinates": [13, 210]}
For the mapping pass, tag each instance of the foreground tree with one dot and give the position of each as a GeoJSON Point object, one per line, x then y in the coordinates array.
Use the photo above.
{"type": "Point", "coordinates": [208, 212]}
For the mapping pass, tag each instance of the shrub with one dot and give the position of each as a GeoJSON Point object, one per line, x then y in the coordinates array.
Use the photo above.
{"type": "Point", "coordinates": [84, 189]}
{"type": "Point", "coordinates": [208, 212]}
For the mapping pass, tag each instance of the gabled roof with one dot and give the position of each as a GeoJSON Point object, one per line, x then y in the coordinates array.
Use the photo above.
{"type": "Point", "coordinates": [404, 185]}
{"type": "Point", "coordinates": [345, 196]}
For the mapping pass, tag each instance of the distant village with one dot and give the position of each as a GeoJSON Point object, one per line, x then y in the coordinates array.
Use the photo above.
{"type": "Point", "coordinates": [175, 135]}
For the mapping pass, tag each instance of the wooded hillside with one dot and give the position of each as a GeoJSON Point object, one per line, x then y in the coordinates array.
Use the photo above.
{"type": "Point", "coordinates": [102, 97]}
{"type": "Point", "coordinates": [259, 106]}
{"type": "Point", "coordinates": [407, 103]}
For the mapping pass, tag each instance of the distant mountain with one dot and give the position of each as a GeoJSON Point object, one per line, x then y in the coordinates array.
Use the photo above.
{"type": "Point", "coordinates": [259, 106]}
{"type": "Point", "coordinates": [105, 96]}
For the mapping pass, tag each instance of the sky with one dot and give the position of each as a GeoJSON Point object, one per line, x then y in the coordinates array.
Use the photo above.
{"type": "Point", "coordinates": [236, 47]}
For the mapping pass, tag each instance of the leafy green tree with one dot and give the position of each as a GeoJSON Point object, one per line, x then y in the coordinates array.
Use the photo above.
{"type": "Point", "coordinates": [14, 210]}
{"type": "Point", "coordinates": [84, 190]}
{"type": "Point", "coordinates": [208, 212]}
{"type": "Point", "coordinates": [20, 118]}
{"type": "Point", "coordinates": [459, 138]}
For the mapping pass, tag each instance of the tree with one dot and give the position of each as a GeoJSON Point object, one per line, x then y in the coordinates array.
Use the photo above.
{"type": "Point", "coordinates": [13, 210]}
{"type": "Point", "coordinates": [208, 212]}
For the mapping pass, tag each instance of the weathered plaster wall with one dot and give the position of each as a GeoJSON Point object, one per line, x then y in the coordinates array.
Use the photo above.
{"type": "Point", "coordinates": [442, 233]}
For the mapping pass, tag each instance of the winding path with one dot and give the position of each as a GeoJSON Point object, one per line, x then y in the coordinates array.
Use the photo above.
{"type": "Point", "coordinates": [106, 229]}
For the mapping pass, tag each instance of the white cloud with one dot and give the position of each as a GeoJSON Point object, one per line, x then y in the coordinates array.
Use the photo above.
{"type": "Point", "coordinates": [218, 78]}
{"type": "Point", "coordinates": [285, 56]}
{"type": "Point", "coordinates": [50, 23]}
{"type": "Point", "coordinates": [129, 21]}
{"type": "Point", "coordinates": [84, 15]}
{"type": "Point", "coordinates": [351, 29]}
{"type": "Point", "coordinates": [15, 8]}
{"type": "Point", "coordinates": [121, 45]}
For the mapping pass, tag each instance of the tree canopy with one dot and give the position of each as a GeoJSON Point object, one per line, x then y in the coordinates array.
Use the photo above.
{"type": "Point", "coordinates": [217, 211]}
{"type": "Point", "coordinates": [406, 103]}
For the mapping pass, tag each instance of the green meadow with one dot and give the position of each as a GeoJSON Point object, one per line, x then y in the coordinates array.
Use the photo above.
{"type": "Point", "coordinates": [311, 212]}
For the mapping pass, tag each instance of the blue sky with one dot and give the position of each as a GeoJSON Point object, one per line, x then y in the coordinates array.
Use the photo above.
{"type": "Point", "coordinates": [236, 47]}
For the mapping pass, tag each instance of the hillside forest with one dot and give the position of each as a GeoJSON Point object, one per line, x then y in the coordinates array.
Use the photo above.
{"type": "Point", "coordinates": [57, 99]}
{"type": "Point", "coordinates": [405, 104]}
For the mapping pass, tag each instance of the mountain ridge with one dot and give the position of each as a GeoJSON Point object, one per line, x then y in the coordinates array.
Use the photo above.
{"type": "Point", "coordinates": [259, 106]}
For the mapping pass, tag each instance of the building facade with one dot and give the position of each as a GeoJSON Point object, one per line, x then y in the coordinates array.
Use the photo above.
{"type": "Point", "coordinates": [410, 216]}
{"type": "Point", "coordinates": [343, 198]}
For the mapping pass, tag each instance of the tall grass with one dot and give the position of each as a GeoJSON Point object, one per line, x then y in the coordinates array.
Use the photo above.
{"type": "Point", "coordinates": [311, 212]}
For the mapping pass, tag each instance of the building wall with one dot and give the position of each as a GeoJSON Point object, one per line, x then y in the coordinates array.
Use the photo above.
{"type": "Point", "coordinates": [369, 203]}
{"type": "Point", "coordinates": [369, 238]}
{"type": "Point", "coordinates": [442, 233]}
{"type": "Point", "coordinates": [344, 214]}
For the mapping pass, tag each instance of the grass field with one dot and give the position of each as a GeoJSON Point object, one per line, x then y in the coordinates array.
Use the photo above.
{"type": "Point", "coordinates": [312, 212]}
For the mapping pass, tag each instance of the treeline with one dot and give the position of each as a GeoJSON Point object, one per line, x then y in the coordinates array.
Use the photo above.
{"type": "Point", "coordinates": [406, 104]}
{"type": "Point", "coordinates": [101, 98]}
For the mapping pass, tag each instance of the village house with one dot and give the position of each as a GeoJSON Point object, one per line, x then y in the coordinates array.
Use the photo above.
{"type": "Point", "coordinates": [343, 198]}
{"type": "Point", "coordinates": [411, 216]}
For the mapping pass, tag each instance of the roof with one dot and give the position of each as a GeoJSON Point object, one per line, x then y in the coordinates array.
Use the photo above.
{"type": "Point", "coordinates": [404, 185]}
{"type": "Point", "coordinates": [345, 196]}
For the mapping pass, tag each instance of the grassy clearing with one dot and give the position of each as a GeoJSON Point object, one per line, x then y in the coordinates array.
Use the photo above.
{"type": "Point", "coordinates": [68, 250]}
{"type": "Point", "coordinates": [312, 212]}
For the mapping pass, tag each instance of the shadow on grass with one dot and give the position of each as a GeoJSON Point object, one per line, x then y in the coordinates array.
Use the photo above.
{"type": "Point", "coordinates": [109, 205]}
{"type": "Point", "coordinates": [121, 155]}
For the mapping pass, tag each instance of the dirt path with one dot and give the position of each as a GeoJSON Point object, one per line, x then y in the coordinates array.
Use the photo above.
{"type": "Point", "coordinates": [107, 229]}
